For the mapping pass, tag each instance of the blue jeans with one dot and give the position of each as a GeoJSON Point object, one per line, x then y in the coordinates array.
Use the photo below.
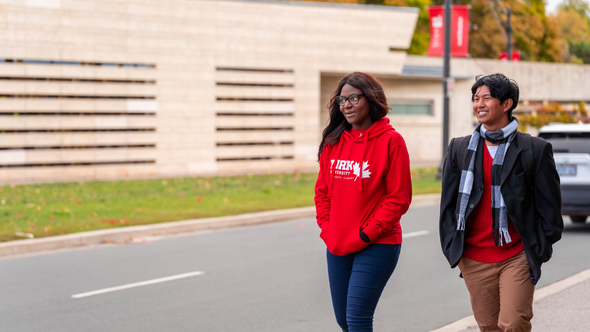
{"type": "Point", "coordinates": [357, 281]}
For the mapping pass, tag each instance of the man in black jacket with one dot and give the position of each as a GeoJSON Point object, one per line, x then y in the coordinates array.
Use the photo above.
{"type": "Point", "coordinates": [500, 208]}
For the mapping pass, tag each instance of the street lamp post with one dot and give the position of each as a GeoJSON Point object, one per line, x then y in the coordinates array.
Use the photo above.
{"type": "Point", "coordinates": [509, 33]}
{"type": "Point", "coordinates": [446, 79]}
{"type": "Point", "coordinates": [446, 75]}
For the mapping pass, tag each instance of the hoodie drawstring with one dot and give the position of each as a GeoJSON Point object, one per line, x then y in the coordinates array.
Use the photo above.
{"type": "Point", "coordinates": [362, 161]}
{"type": "Point", "coordinates": [379, 127]}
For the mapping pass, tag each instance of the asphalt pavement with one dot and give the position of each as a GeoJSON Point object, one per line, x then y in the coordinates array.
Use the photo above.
{"type": "Point", "coordinates": [269, 277]}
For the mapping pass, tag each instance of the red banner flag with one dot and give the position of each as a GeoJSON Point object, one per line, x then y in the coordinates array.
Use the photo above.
{"type": "Point", "coordinates": [459, 31]}
{"type": "Point", "coordinates": [515, 56]}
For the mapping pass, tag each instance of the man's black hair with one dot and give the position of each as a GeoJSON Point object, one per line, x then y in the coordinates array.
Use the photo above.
{"type": "Point", "coordinates": [501, 88]}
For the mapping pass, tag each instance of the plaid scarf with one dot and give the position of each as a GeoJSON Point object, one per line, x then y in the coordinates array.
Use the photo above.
{"type": "Point", "coordinates": [499, 213]}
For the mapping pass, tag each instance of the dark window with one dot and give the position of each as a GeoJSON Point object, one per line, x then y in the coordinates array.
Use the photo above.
{"type": "Point", "coordinates": [411, 108]}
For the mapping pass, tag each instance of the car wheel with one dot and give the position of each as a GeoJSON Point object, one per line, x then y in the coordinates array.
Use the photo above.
{"type": "Point", "coordinates": [578, 219]}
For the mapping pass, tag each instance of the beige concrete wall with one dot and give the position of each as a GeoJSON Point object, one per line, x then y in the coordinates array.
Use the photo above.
{"type": "Point", "coordinates": [422, 133]}
{"type": "Point", "coordinates": [537, 81]}
{"type": "Point", "coordinates": [222, 87]}
{"type": "Point", "coordinates": [201, 118]}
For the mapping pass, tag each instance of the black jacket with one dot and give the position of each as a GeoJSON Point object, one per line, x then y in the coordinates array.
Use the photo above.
{"type": "Point", "coordinates": [530, 187]}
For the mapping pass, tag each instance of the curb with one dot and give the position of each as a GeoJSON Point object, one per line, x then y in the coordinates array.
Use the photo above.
{"type": "Point", "coordinates": [426, 199]}
{"type": "Point", "coordinates": [127, 234]}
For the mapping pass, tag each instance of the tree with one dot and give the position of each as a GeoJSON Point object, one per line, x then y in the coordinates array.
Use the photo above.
{"type": "Point", "coordinates": [534, 34]}
{"type": "Point", "coordinates": [579, 6]}
{"type": "Point", "coordinates": [581, 50]}
{"type": "Point", "coordinates": [574, 26]}
{"type": "Point", "coordinates": [575, 31]}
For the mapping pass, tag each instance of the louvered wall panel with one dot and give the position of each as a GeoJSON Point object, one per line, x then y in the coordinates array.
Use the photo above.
{"type": "Point", "coordinates": [273, 165]}
{"type": "Point", "coordinates": [251, 77]}
{"type": "Point", "coordinates": [47, 105]}
{"type": "Point", "coordinates": [253, 92]}
{"type": "Point", "coordinates": [76, 139]}
{"type": "Point", "coordinates": [76, 114]}
{"type": "Point", "coordinates": [254, 114]}
{"type": "Point", "coordinates": [254, 107]}
{"type": "Point", "coordinates": [254, 122]}
{"type": "Point", "coordinates": [73, 71]}
{"type": "Point", "coordinates": [258, 136]}
{"type": "Point", "coordinates": [239, 152]}
{"type": "Point", "coordinates": [77, 122]}
{"type": "Point", "coordinates": [69, 89]}
{"type": "Point", "coordinates": [87, 155]}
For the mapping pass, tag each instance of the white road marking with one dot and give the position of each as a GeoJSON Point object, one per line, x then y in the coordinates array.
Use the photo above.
{"type": "Point", "coordinates": [413, 234]}
{"type": "Point", "coordinates": [138, 284]}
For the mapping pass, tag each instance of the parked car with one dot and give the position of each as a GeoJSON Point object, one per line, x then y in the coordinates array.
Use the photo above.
{"type": "Point", "coordinates": [571, 148]}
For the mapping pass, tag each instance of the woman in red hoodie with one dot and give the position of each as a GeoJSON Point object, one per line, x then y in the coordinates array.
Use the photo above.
{"type": "Point", "coordinates": [363, 189]}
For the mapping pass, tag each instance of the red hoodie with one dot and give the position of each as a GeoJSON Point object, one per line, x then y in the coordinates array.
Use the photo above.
{"type": "Point", "coordinates": [364, 184]}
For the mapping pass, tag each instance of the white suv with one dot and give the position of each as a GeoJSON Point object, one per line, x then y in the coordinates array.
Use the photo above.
{"type": "Point", "coordinates": [571, 148]}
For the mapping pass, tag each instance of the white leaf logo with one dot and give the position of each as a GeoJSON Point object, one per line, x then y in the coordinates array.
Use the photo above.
{"type": "Point", "coordinates": [366, 172]}
{"type": "Point", "coordinates": [356, 170]}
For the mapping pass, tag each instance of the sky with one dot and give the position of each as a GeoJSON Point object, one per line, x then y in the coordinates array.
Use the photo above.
{"type": "Point", "coordinates": [552, 5]}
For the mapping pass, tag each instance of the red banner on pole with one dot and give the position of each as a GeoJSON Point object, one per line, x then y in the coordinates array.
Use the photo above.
{"type": "Point", "coordinates": [459, 31]}
{"type": "Point", "coordinates": [515, 56]}
{"type": "Point", "coordinates": [437, 31]}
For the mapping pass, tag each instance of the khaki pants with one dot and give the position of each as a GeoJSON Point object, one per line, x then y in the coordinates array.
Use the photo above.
{"type": "Point", "coordinates": [501, 293]}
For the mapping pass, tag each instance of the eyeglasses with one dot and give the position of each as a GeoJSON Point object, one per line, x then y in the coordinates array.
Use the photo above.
{"type": "Point", "coordinates": [353, 99]}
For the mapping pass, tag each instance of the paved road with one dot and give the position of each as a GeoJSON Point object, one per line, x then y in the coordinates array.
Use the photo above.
{"type": "Point", "coordinates": [260, 278]}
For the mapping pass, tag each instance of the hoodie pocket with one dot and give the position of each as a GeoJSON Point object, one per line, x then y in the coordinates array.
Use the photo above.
{"type": "Point", "coordinates": [342, 242]}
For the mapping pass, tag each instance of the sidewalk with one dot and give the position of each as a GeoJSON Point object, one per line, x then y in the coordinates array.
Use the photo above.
{"type": "Point", "coordinates": [561, 306]}
{"type": "Point", "coordinates": [568, 310]}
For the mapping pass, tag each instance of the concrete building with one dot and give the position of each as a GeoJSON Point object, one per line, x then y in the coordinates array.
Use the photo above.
{"type": "Point", "coordinates": [96, 89]}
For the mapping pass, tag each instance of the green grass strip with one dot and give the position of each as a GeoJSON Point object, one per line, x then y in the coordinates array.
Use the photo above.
{"type": "Point", "coordinates": [39, 210]}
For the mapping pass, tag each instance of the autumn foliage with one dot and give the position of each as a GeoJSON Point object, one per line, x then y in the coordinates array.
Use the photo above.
{"type": "Point", "coordinates": [537, 35]}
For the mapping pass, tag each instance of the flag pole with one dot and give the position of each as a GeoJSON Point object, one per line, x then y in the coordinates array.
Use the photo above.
{"type": "Point", "coordinates": [446, 75]}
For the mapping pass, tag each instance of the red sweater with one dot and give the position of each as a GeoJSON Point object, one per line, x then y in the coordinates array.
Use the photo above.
{"type": "Point", "coordinates": [479, 237]}
{"type": "Point", "coordinates": [364, 184]}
